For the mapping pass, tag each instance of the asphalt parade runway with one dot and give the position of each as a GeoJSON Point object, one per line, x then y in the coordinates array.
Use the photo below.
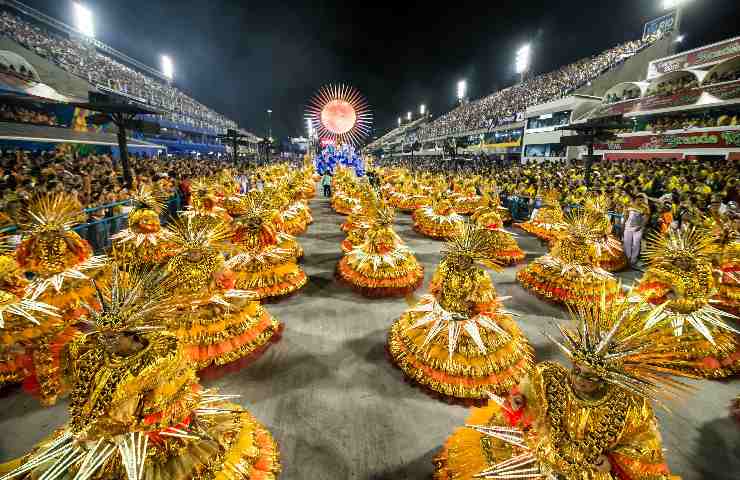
{"type": "Point", "coordinates": [340, 410]}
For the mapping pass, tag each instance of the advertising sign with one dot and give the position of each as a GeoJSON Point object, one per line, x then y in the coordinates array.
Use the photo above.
{"type": "Point", "coordinates": [728, 139]}
{"type": "Point", "coordinates": [659, 26]}
{"type": "Point", "coordinates": [696, 58]}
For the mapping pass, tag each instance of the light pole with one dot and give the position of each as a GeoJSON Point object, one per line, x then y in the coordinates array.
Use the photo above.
{"type": "Point", "coordinates": [422, 110]}
{"type": "Point", "coordinates": [522, 61]}
{"type": "Point", "coordinates": [269, 124]}
{"type": "Point", "coordinates": [462, 87]}
{"type": "Point", "coordinates": [676, 6]}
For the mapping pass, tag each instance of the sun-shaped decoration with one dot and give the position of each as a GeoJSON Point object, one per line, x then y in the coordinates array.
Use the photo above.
{"type": "Point", "coordinates": [340, 113]}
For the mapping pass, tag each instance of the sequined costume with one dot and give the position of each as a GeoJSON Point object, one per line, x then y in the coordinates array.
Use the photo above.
{"type": "Point", "coordinates": [144, 243]}
{"type": "Point", "coordinates": [137, 411]}
{"type": "Point", "coordinates": [503, 246]}
{"type": "Point", "coordinates": [570, 273]}
{"type": "Point", "coordinates": [612, 257]}
{"type": "Point", "coordinates": [439, 220]}
{"type": "Point", "coordinates": [594, 422]}
{"type": "Point", "coordinates": [465, 201]}
{"type": "Point", "coordinates": [457, 341]}
{"type": "Point", "coordinates": [206, 204]}
{"type": "Point", "coordinates": [61, 263]}
{"type": "Point", "coordinates": [344, 189]}
{"type": "Point", "coordinates": [259, 262]}
{"type": "Point", "coordinates": [217, 322]}
{"type": "Point", "coordinates": [360, 220]}
{"type": "Point", "coordinates": [547, 219]}
{"type": "Point", "coordinates": [413, 199]}
{"type": "Point", "coordinates": [680, 274]}
{"type": "Point", "coordinates": [382, 265]}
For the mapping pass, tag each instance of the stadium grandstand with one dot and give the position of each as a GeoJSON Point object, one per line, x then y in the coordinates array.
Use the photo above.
{"type": "Point", "coordinates": [53, 64]}
{"type": "Point", "coordinates": [495, 123]}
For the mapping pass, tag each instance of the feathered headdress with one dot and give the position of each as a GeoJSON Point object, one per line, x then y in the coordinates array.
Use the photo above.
{"type": "Point", "coordinates": [197, 233]}
{"type": "Point", "coordinates": [611, 339]}
{"type": "Point", "coordinates": [690, 246]}
{"type": "Point", "coordinates": [51, 212]}
{"type": "Point", "coordinates": [469, 246]}
{"type": "Point", "coordinates": [146, 198]}
{"type": "Point", "coordinates": [135, 300]}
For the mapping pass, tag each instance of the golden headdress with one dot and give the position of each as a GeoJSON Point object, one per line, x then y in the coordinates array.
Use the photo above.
{"type": "Point", "coordinates": [50, 246]}
{"type": "Point", "coordinates": [147, 198]}
{"type": "Point", "coordinates": [136, 300]}
{"type": "Point", "coordinates": [611, 339]}
{"type": "Point", "coordinates": [469, 246]}
{"type": "Point", "coordinates": [197, 243]}
{"type": "Point", "coordinates": [550, 197]}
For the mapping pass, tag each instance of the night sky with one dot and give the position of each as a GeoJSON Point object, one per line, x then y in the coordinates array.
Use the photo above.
{"type": "Point", "coordinates": [243, 57]}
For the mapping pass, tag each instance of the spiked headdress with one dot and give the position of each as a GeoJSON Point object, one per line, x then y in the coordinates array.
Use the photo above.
{"type": "Point", "coordinates": [469, 246]}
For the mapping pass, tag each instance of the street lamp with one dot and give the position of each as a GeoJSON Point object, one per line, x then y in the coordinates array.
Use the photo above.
{"type": "Point", "coordinates": [522, 60]}
{"type": "Point", "coordinates": [83, 19]}
{"type": "Point", "coordinates": [168, 68]}
{"type": "Point", "coordinates": [462, 86]}
{"type": "Point", "coordinates": [422, 110]}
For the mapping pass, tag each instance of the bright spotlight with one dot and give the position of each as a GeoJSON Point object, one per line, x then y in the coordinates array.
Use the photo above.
{"type": "Point", "coordinates": [680, 38]}
{"type": "Point", "coordinates": [399, 121]}
{"type": "Point", "coordinates": [83, 19]}
{"type": "Point", "coordinates": [168, 69]}
{"type": "Point", "coordinates": [408, 116]}
{"type": "Point", "coordinates": [422, 109]}
{"type": "Point", "coordinates": [522, 58]}
{"type": "Point", "coordinates": [462, 85]}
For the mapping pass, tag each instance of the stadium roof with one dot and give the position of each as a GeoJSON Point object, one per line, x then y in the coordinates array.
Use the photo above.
{"type": "Point", "coordinates": [43, 134]}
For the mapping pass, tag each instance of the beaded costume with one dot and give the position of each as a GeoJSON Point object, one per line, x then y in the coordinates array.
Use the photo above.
{"type": "Point", "coordinates": [594, 422]}
{"type": "Point", "coordinates": [680, 275]}
{"type": "Point", "coordinates": [136, 409]}
{"type": "Point", "coordinates": [457, 341]}
{"type": "Point", "coordinates": [61, 263]}
{"type": "Point", "coordinates": [382, 265]}
{"type": "Point", "coordinates": [570, 273]}
{"type": "Point", "coordinates": [260, 263]}
{"type": "Point", "coordinates": [216, 322]}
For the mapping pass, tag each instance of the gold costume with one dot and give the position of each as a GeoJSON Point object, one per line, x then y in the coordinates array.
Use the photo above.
{"type": "Point", "coordinates": [594, 422]}
{"type": "Point", "coordinates": [144, 243]}
{"type": "Point", "coordinates": [457, 342]}
{"type": "Point", "coordinates": [612, 258]}
{"type": "Point", "coordinates": [382, 265]}
{"type": "Point", "coordinates": [61, 263]}
{"type": "Point", "coordinates": [504, 248]}
{"type": "Point", "coordinates": [216, 322]}
{"type": "Point", "coordinates": [548, 218]}
{"type": "Point", "coordinates": [136, 409]}
{"type": "Point", "coordinates": [260, 263]}
{"type": "Point", "coordinates": [570, 273]}
{"type": "Point", "coordinates": [680, 275]}
{"type": "Point", "coordinates": [439, 220]}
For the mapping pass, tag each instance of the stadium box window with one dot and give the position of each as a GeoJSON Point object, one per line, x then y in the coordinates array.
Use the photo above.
{"type": "Point", "coordinates": [544, 150]}
{"type": "Point", "coordinates": [549, 120]}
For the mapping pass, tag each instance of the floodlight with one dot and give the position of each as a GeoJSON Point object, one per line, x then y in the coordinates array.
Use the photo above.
{"type": "Point", "coordinates": [168, 69]}
{"type": "Point", "coordinates": [422, 109]}
{"type": "Point", "coordinates": [461, 87]}
{"type": "Point", "coordinates": [83, 19]}
{"type": "Point", "coordinates": [522, 58]}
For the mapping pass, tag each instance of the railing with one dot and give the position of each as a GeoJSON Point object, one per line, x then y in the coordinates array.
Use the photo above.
{"type": "Point", "coordinates": [99, 231]}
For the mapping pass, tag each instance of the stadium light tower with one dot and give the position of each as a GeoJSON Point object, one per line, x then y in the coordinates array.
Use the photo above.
{"type": "Point", "coordinates": [462, 86]}
{"type": "Point", "coordinates": [422, 110]}
{"type": "Point", "coordinates": [399, 121]}
{"type": "Point", "coordinates": [168, 68]}
{"type": "Point", "coordinates": [677, 6]}
{"type": "Point", "coordinates": [408, 116]}
{"type": "Point", "coordinates": [83, 19]}
{"type": "Point", "coordinates": [522, 60]}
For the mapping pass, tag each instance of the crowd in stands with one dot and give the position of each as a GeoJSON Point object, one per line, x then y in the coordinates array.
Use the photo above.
{"type": "Point", "coordinates": [102, 70]}
{"type": "Point", "coordinates": [18, 114]}
{"type": "Point", "coordinates": [726, 76]}
{"type": "Point", "coordinates": [627, 94]}
{"type": "Point", "coordinates": [673, 86]}
{"type": "Point", "coordinates": [543, 88]}
{"type": "Point", "coordinates": [95, 179]}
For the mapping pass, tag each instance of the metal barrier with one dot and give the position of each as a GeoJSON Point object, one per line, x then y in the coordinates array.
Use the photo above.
{"type": "Point", "coordinates": [98, 232]}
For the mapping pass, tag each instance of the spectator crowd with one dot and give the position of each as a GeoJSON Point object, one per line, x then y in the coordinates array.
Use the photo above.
{"type": "Point", "coordinates": [102, 70]}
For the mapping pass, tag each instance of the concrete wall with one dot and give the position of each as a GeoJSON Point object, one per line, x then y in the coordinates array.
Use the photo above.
{"type": "Point", "coordinates": [52, 75]}
{"type": "Point", "coordinates": [632, 70]}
